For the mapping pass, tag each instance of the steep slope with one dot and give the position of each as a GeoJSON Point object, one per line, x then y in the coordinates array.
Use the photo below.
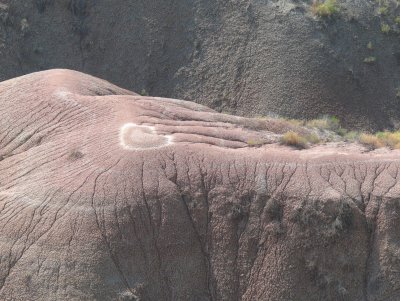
{"type": "Point", "coordinates": [107, 195]}
{"type": "Point", "coordinates": [246, 57]}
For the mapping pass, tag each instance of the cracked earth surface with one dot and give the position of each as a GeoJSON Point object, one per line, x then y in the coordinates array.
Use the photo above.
{"type": "Point", "coordinates": [108, 195]}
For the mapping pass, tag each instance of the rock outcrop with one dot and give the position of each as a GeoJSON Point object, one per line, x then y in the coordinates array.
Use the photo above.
{"type": "Point", "coordinates": [107, 195]}
{"type": "Point", "coordinates": [245, 57]}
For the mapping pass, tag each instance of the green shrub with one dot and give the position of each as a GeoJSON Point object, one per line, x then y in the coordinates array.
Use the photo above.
{"type": "Point", "coordinates": [325, 123]}
{"type": "Point", "coordinates": [144, 92]}
{"type": "Point", "coordinates": [370, 60]}
{"type": "Point", "coordinates": [383, 10]}
{"type": "Point", "coordinates": [351, 136]}
{"type": "Point", "coordinates": [385, 28]}
{"type": "Point", "coordinates": [341, 131]}
{"type": "Point", "coordinates": [334, 123]}
{"type": "Point", "coordinates": [325, 9]}
{"type": "Point", "coordinates": [397, 20]}
{"type": "Point", "coordinates": [370, 46]}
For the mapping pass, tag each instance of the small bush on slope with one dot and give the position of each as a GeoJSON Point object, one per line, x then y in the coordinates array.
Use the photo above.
{"type": "Point", "coordinates": [324, 9]}
{"type": "Point", "coordinates": [371, 141]}
{"type": "Point", "coordinates": [325, 123]}
{"type": "Point", "coordinates": [293, 139]}
{"type": "Point", "coordinates": [302, 133]}
{"type": "Point", "coordinates": [351, 136]}
{"type": "Point", "coordinates": [381, 139]}
{"type": "Point", "coordinates": [385, 28]}
{"type": "Point", "coordinates": [391, 139]}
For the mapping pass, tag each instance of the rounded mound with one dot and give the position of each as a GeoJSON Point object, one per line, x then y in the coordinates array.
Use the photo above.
{"type": "Point", "coordinates": [95, 206]}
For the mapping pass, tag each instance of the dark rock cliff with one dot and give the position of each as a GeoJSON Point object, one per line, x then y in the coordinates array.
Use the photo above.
{"type": "Point", "coordinates": [248, 57]}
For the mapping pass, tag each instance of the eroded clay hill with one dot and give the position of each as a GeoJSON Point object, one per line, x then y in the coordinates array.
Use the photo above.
{"type": "Point", "coordinates": [107, 195]}
{"type": "Point", "coordinates": [245, 57]}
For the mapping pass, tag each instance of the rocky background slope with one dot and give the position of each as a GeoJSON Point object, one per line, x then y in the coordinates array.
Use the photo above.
{"type": "Point", "coordinates": [108, 195]}
{"type": "Point", "coordinates": [248, 57]}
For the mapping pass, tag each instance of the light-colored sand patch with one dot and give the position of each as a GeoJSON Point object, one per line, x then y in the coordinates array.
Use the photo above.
{"type": "Point", "coordinates": [62, 93]}
{"type": "Point", "coordinates": [139, 137]}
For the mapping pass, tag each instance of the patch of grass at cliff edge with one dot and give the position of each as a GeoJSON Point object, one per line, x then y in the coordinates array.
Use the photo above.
{"type": "Point", "coordinates": [324, 9]}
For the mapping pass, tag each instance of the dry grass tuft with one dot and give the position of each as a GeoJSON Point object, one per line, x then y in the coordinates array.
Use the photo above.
{"type": "Point", "coordinates": [391, 139]}
{"type": "Point", "coordinates": [381, 139]}
{"type": "Point", "coordinates": [322, 124]}
{"type": "Point", "coordinates": [293, 139]}
{"type": "Point", "coordinates": [325, 123]}
{"type": "Point", "coordinates": [371, 141]}
{"type": "Point", "coordinates": [302, 134]}
{"type": "Point", "coordinates": [313, 138]}
{"type": "Point", "coordinates": [351, 136]}
{"type": "Point", "coordinates": [254, 142]}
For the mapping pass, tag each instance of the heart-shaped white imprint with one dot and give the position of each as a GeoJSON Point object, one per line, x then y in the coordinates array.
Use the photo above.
{"type": "Point", "coordinates": [139, 137]}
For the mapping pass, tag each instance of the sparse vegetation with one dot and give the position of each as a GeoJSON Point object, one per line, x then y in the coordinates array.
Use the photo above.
{"type": "Point", "coordinates": [370, 46]}
{"type": "Point", "coordinates": [385, 28]}
{"type": "Point", "coordinates": [397, 20]}
{"type": "Point", "coordinates": [76, 154]}
{"type": "Point", "coordinates": [24, 25]}
{"type": "Point", "coordinates": [381, 139]}
{"type": "Point", "coordinates": [144, 92]}
{"type": "Point", "coordinates": [313, 138]}
{"type": "Point", "coordinates": [390, 139]}
{"type": "Point", "coordinates": [341, 131]}
{"type": "Point", "coordinates": [294, 139]}
{"type": "Point", "coordinates": [351, 136]}
{"type": "Point", "coordinates": [383, 10]}
{"type": "Point", "coordinates": [253, 142]}
{"type": "Point", "coordinates": [318, 123]}
{"type": "Point", "coordinates": [371, 141]}
{"type": "Point", "coordinates": [303, 134]}
{"type": "Point", "coordinates": [370, 60]}
{"type": "Point", "coordinates": [324, 123]}
{"type": "Point", "coordinates": [295, 122]}
{"type": "Point", "coordinates": [325, 9]}
{"type": "Point", "coordinates": [333, 122]}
